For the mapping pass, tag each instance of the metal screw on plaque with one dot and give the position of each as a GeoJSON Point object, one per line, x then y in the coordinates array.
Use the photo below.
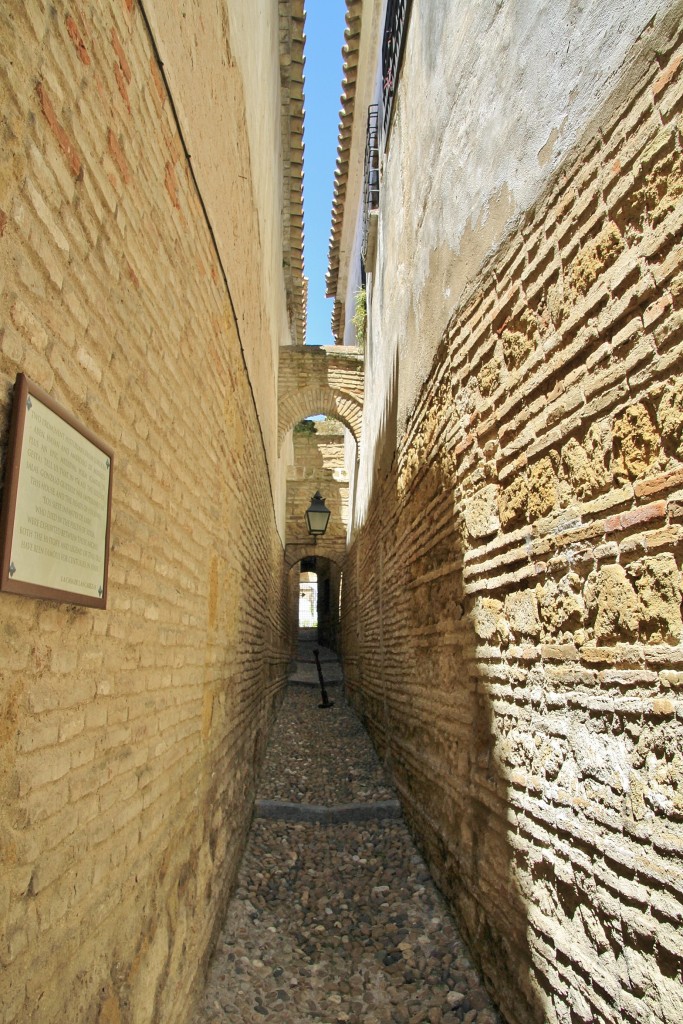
{"type": "Point", "coordinates": [327, 703]}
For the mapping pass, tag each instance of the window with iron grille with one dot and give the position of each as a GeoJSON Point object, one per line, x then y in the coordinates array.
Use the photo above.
{"type": "Point", "coordinates": [370, 174]}
{"type": "Point", "coordinates": [392, 51]}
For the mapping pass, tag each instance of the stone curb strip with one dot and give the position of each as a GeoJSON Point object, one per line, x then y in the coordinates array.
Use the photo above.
{"type": "Point", "coordinates": [280, 810]}
{"type": "Point", "coordinates": [316, 684]}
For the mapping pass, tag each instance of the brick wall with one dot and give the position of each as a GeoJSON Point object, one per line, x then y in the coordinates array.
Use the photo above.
{"type": "Point", "coordinates": [129, 738]}
{"type": "Point", "coordinates": [318, 466]}
{"type": "Point", "coordinates": [512, 607]}
{"type": "Point", "coordinates": [320, 379]}
{"type": "Point", "coordinates": [213, 50]}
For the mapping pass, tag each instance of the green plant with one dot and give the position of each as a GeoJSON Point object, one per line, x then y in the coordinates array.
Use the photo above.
{"type": "Point", "coordinates": [305, 427]}
{"type": "Point", "coordinates": [360, 316]}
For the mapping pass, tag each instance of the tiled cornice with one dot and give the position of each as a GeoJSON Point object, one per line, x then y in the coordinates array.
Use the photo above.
{"type": "Point", "coordinates": [350, 54]}
{"type": "Point", "coordinates": [292, 40]}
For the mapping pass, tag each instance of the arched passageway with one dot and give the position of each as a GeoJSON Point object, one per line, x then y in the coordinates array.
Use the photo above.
{"type": "Point", "coordinates": [324, 620]}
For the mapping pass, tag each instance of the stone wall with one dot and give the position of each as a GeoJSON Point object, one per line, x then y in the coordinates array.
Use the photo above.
{"type": "Point", "coordinates": [512, 606]}
{"type": "Point", "coordinates": [129, 738]}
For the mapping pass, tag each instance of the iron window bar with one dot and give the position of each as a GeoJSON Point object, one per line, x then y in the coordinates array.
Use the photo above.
{"type": "Point", "coordinates": [392, 51]}
{"type": "Point", "coordinates": [370, 174]}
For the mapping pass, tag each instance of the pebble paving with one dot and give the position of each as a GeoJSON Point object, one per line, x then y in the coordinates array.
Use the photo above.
{"type": "Point", "coordinates": [337, 923]}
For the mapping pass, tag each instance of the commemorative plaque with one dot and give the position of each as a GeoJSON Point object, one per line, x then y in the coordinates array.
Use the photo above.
{"type": "Point", "coordinates": [56, 503]}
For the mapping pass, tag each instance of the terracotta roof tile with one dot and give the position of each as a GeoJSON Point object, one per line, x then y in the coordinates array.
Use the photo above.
{"type": "Point", "coordinates": [350, 54]}
{"type": "Point", "coordinates": [292, 61]}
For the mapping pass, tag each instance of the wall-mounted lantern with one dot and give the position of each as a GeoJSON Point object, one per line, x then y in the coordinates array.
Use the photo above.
{"type": "Point", "coordinates": [317, 515]}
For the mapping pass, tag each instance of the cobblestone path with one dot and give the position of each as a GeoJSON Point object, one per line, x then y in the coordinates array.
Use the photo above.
{"type": "Point", "coordinates": [335, 921]}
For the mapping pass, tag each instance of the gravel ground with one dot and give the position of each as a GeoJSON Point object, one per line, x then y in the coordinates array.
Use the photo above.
{"type": "Point", "coordinates": [336, 923]}
{"type": "Point", "coordinates": [320, 756]}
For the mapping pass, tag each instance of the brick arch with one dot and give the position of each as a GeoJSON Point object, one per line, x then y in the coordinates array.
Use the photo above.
{"type": "Point", "coordinates": [314, 400]}
{"type": "Point", "coordinates": [325, 379]}
{"type": "Point", "coordinates": [334, 551]}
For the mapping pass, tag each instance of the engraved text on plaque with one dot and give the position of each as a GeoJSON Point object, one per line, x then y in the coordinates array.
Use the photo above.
{"type": "Point", "coordinates": [56, 504]}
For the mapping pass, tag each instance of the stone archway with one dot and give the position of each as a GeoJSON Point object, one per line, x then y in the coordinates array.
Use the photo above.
{"type": "Point", "coordinates": [328, 572]}
{"type": "Point", "coordinates": [328, 380]}
{"type": "Point", "coordinates": [333, 551]}
{"type": "Point", "coordinates": [325, 401]}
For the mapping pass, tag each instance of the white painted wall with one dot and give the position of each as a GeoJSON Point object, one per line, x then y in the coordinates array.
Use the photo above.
{"type": "Point", "coordinates": [492, 96]}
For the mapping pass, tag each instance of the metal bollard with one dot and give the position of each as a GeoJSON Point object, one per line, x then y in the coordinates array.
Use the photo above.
{"type": "Point", "coordinates": [327, 703]}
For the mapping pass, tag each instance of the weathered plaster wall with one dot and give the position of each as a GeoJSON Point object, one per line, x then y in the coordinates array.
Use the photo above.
{"type": "Point", "coordinates": [512, 626]}
{"type": "Point", "coordinates": [130, 738]}
{"type": "Point", "coordinates": [491, 99]}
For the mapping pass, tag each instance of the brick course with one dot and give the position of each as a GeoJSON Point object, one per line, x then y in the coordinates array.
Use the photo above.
{"type": "Point", "coordinates": [512, 627]}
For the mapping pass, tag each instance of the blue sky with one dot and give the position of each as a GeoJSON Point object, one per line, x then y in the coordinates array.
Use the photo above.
{"type": "Point", "coordinates": [322, 88]}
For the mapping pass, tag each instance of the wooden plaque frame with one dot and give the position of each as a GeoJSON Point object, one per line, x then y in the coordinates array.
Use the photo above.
{"type": "Point", "coordinates": [25, 391]}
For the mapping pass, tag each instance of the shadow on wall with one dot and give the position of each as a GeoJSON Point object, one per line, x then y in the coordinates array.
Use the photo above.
{"type": "Point", "coordinates": [329, 582]}
{"type": "Point", "coordinates": [408, 645]}
{"type": "Point", "coordinates": [511, 629]}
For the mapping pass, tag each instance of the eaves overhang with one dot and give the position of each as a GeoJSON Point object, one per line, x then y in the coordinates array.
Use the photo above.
{"type": "Point", "coordinates": [292, 41]}
{"type": "Point", "coordinates": [350, 54]}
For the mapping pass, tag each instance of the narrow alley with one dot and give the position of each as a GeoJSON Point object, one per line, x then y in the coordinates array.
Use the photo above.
{"type": "Point", "coordinates": [457, 446]}
{"type": "Point", "coordinates": [335, 918]}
